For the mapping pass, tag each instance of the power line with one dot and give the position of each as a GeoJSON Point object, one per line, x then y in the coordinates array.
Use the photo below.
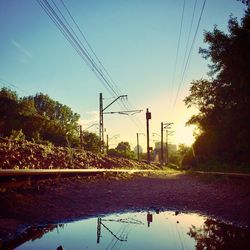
{"type": "Point", "coordinates": [127, 107]}
{"type": "Point", "coordinates": [90, 47]}
{"type": "Point", "coordinates": [77, 44]}
{"type": "Point", "coordinates": [71, 28]}
{"type": "Point", "coordinates": [84, 55]}
{"type": "Point", "coordinates": [178, 45]}
{"type": "Point", "coordinates": [5, 82]}
{"type": "Point", "coordinates": [189, 33]}
{"type": "Point", "coordinates": [189, 54]}
{"type": "Point", "coordinates": [68, 32]}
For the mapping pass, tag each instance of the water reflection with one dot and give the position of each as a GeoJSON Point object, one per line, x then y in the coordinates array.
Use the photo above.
{"type": "Point", "coordinates": [149, 218]}
{"type": "Point", "coordinates": [147, 230]}
{"type": "Point", "coordinates": [31, 234]}
{"type": "Point", "coordinates": [215, 235]}
{"type": "Point", "coordinates": [123, 234]}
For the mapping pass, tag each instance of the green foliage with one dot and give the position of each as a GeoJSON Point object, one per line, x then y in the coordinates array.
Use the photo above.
{"type": "Point", "coordinates": [223, 101]}
{"type": "Point", "coordinates": [245, 1]}
{"type": "Point", "coordinates": [123, 146]}
{"type": "Point", "coordinates": [174, 158]}
{"type": "Point", "coordinates": [39, 117]}
{"type": "Point", "coordinates": [184, 157]}
{"type": "Point", "coordinates": [217, 235]}
{"type": "Point", "coordinates": [47, 149]}
{"type": "Point", "coordinates": [60, 123]}
{"type": "Point", "coordinates": [122, 150]}
{"type": "Point", "coordinates": [91, 142]}
{"type": "Point", "coordinates": [8, 112]}
{"type": "Point", "coordinates": [17, 135]}
{"type": "Point", "coordinates": [36, 137]}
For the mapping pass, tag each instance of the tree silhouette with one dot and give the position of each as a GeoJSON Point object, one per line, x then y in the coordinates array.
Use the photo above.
{"type": "Point", "coordinates": [219, 236]}
{"type": "Point", "coordinates": [223, 100]}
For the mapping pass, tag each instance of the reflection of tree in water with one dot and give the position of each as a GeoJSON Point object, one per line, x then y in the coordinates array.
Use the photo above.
{"type": "Point", "coordinates": [32, 233]}
{"type": "Point", "coordinates": [216, 235]}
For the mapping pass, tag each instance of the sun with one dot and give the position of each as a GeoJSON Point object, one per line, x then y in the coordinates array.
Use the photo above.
{"type": "Point", "coordinates": [184, 135]}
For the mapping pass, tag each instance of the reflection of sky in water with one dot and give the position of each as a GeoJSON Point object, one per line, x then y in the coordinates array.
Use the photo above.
{"type": "Point", "coordinates": [123, 231]}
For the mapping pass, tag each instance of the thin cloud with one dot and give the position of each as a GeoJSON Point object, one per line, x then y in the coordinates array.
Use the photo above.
{"type": "Point", "coordinates": [21, 48]}
{"type": "Point", "coordinates": [90, 118]}
{"type": "Point", "coordinates": [95, 113]}
{"type": "Point", "coordinates": [87, 122]}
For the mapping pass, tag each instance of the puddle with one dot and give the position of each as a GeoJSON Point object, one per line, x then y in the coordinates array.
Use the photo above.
{"type": "Point", "coordinates": [136, 230]}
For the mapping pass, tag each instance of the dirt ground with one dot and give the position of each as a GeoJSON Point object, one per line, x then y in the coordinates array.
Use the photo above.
{"type": "Point", "coordinates": [27, 203]}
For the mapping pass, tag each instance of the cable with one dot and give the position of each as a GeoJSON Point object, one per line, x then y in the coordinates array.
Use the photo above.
{"type": "Point", "coordinates": [4, 82]}
{"type": "Point", "coordinates": [90, 47]}
{"type": "Point", "coordinates": [85, 55]}
{"type": "Point", "coordinates": [85, 49]}
{"type": "Point", "coordinates": [189, 34]}
{"type": "Point", "coordinates": [68, 32]}
{"type": "Point", "coordinates": [101, 64]}
{"type": "Point", "coordinates": [68, 37]}
{"type": "Point", "coordinates": [189, 54]}
{"type": "Point", "coordinates": [178, 46]}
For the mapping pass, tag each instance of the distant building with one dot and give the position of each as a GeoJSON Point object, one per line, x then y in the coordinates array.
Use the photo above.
{"type": "Point", "coordinates": [172, 148]}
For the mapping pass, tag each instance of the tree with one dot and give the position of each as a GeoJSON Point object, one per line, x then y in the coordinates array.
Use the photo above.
{"type": "Point", "coordinates": [217, 235]}
{"type": "Point", "coordinates": [122, 150]}
{"type": "Point", "coordinates": [91, 142]}
{"type": "Point", "coordinates": [123, 146]}
{"type": "Point", "coordinates": [60, 120]}
{"type": "Point", "coordinates": [245, 1]}
{"type": "Point", "coordinates": [37, 116]}
{"type": "Point", "coordinates": [223, 100]}
{"type": "Point", "coordinates": [8, 112]}
{"type": "Point", "coordinates": [183, 157]}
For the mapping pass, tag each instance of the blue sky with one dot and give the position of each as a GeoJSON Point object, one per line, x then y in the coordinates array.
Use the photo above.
{"type": "Point", "coordinates": [137, 42]}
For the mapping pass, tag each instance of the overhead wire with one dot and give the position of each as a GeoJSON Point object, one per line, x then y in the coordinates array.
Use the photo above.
{"type": "Point", "coordinates": [7, 83]}
{"type": "Point", "coordinates": [62, 31]}
{"type": "Point", "coordinates": [84, 55]}
{"type": "Point", "coordinates": [90, 47]}
{"type": "Point", "coordinates": [74, 40]}
{"type": "Point", "coordinates": [178, 45]}
{"type": "Point", "coordinates": [72, 30]}
{"type": "Point", "coordinates": [80, 42]}
{"type": "Point", "coordinates": [189, 54]}
{"type": "Point", "coordinates": [124, 104]}
{"type": "Point", "coordinates": [189, 34]}
{"type": "Point", "coordinates": [68, 37]}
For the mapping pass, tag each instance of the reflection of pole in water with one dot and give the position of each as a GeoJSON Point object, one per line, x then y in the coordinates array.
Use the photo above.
{"type": "Point", "coordinates": [149, 218]}
{"type": "Point", "coordinates": [98, 230]}
{"type": "Point", "coordinates": [123, 221]}
{"type": "Point", "coordinates": [99, 224]}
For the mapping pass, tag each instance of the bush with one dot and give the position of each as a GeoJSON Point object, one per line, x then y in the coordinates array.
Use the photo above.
{"type": "Point", "coordinates": [17, 135]}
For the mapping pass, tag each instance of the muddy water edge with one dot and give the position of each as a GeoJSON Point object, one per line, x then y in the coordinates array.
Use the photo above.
{"type": "Point", "coordinates": [29, 203]}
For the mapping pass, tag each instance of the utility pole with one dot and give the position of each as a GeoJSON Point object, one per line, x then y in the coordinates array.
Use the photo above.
{"type": "Point", "coordinates": [81, 137]}
{"type": "Point", "coordinates": [101, 134]}
{"type": "Point", "coordinates": [101, 110]}
{"type": "Point", "coordinates": [107, 143]}
{"type": "Point", "coordinates": [164, 126]}
{"type": "Point", "coordinates": [138, 153]}
{"type": "Point", "coordinates": [161, 143]}
{"type": "Point", "coordinates": [148, 117]}
{"type": "Point", "coordinates": [166, 146]}
{"type": "Point", "coordinates": [101, 113]}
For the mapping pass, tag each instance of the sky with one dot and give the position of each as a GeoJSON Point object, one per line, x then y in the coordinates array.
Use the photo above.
{"type": "Point", "coordinates": [142, 45]}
